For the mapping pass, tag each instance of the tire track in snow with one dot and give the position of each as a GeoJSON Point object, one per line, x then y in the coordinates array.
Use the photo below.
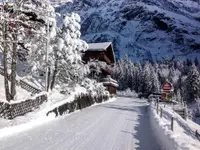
{"type": "Point", "coordinates": [119, 125]}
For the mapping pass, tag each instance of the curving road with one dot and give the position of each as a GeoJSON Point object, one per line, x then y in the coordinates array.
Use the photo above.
{"type": "Point", "coordinates": [119, 125]}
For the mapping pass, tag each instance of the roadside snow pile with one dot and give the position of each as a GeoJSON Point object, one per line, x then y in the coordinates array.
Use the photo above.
{"type": "Point", "coordinates": [38, 117]}
{"type": "Point", "coordinates": [32, 120]}
{"type": "Point", "coordinates": [183, 135]}
{"type": "Point", "coordinates": [127, 93]}
{"type": "Point", "coordinates": [54, 99]}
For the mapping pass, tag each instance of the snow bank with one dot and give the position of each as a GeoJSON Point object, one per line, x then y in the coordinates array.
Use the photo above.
{"type": "Point", "coordinates": [38, 117]}
{"type": "Point", "coordinates": [183, 136]}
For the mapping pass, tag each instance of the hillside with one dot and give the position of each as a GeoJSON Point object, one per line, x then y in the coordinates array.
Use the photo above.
{"type": "Point", "coordinates": [142, 29]}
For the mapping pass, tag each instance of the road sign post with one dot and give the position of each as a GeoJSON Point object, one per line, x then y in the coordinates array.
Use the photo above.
{"type": "Point", "coordinates": [167, 88]}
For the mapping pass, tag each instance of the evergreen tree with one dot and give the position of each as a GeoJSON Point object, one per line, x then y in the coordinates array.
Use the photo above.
{"type": "Point", "coordinates": [137, 76]}
{"type": "Point", "coordinates": [178, 96]}
{"type": "Point", "coordinates": [68, 48]}
{"type": "Point", "coordinates": [192, 87]}
{"type": "Point", "coordinates": [155, 81]}
{"type": "Point", "coordinates": [196, 62]}
{"type": "Point", "coordinates": [146, 84]}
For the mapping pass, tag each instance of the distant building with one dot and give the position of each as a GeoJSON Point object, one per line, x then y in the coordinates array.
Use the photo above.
{"type": "Point", "coordinates": [101, 57]}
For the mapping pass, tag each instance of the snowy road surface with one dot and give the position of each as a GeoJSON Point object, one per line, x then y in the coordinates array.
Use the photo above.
{"type": "Point", "coordinates": [119, 125]}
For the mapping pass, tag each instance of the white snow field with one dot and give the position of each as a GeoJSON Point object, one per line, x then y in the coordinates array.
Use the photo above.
{"type": "Point", "coordinates": [183, 136]}
{"type": "Point", "coordinates": [119, 125]}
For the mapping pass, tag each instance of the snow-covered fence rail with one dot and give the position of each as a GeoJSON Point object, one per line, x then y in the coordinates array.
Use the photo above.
{"type": "Point", "coordinates": [80, 102]}
{"type": "Point", "coordinates": [171, 115]}
{"type": "Point", "coordinates": [28, 87]}
{"type": "Point", "coordinates": [23, 84]}
{"type": "Point", "coordinates": [182, 112]}
{"type": "Point", "coordinates": [10, 111]}
{"type": "Point", "coordinates": [181, 137]}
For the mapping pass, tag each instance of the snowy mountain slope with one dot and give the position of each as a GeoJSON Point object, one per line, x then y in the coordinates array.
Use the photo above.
{"type": "Point", "coordinates": [143, 29]}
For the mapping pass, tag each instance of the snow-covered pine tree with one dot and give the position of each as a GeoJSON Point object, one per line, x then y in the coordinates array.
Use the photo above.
{"type": "Point", "coordinates": [137, 76]}
{"type": "Point", "coordinates": [192, 87]}
{"type": "Point", "coordinates": [146, 83]}
{"type": "Point", "coordinates": [171, 75]}
{"type": "Point", "coordinates": [128, 69]}
{"type": "Point", "coordinates": [119, 74]}
{"type": "Point", "coordinates": [178, 96]}
{"type": "Point", "coordinates": [154, 80]}
{"type": "Point", "coordinates": [68, 48]}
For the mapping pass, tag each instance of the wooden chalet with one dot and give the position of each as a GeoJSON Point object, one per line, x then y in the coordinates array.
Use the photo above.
{"type": "Point", "coordinates": [103, 52]}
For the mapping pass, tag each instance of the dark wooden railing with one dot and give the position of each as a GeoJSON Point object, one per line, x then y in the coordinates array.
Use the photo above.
{"type": "Point", "coordinates": [28, 87]}
{"type": "Point", "coordinates": [23, 84]}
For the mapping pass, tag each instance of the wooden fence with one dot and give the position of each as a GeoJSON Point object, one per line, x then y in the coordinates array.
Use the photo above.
{"type": "Point", "coordinates": [22, 84]}
{"type": "Point", "coordinates": [182, 113]}
{"type": "Point", "coordinates": [10, 111]}
{"type": "Point", "coordinates": [28, 87]}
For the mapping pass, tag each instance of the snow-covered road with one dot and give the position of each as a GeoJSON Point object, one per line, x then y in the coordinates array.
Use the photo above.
{"type": "Point", "coordinates": [120, 125]}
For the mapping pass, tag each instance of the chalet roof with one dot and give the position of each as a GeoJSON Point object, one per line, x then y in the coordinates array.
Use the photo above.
{"type": "Point", "coordinates": [99, 46]}
{"type": "Point", "coordinates": [105, 46]}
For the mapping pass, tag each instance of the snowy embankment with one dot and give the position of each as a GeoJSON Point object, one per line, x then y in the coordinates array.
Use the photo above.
{"type": "Point", "coordinates": [38, 117]}
{"type": "Point", "coordinates": [183, 135]}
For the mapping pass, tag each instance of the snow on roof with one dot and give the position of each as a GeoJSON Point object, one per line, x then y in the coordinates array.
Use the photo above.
{"type": "Point", "coordinates": [99, 46]}
{"type": "Point", "coordinates": [111, 84]}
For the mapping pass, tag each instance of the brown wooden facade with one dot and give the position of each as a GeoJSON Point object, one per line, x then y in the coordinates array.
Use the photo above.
{"type": "Point", "coordinates": [103, 52]}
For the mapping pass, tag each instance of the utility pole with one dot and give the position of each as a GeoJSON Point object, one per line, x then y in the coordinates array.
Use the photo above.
{"type": "Point", "coordinates": [47, 67]}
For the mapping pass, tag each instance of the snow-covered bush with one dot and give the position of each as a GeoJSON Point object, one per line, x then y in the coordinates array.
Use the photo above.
{"type": "Point", "coordinates": [127, 93]}
{"type": "Point", "coordinates": [94, 88]}
{"type": "Point", "coordinates": [192, 87]}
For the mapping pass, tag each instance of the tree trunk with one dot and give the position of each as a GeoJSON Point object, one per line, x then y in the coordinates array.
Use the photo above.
{"type": "Point", "coordinates": [5, 61]}
{"type": "Point", "coordinates": [54, 74]}
{"type": "Point", "coordinates": [48, 78]}
{"type": "Point", "coordinates": [13, 68]}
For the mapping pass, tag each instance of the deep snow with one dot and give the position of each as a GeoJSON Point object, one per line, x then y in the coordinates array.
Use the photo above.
{"type": "Point", "coordinates": [122, 124]}
{"type": "Point", "coordinates": [183, 136]}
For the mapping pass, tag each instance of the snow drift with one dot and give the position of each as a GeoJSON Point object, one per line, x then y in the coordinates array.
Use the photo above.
{"type": "Point", "coordinates": [183, 136]}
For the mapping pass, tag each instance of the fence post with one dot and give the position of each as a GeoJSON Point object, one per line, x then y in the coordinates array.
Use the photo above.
{"type": "Point", "coordinates": [161, 112]}
{"type": "Point", "coordinates": [185, 113]}
{"type": "Point", "coordinates": [157, 107]}
{"type": "Point", "coordinates": [172, 123]}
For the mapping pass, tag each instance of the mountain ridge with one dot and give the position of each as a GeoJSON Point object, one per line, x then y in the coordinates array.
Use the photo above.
{"type": "Point", "coordinates": [141, 29]}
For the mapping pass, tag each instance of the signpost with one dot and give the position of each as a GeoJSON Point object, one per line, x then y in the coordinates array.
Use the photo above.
{"type": "Point", "coordinates": [167, 88]}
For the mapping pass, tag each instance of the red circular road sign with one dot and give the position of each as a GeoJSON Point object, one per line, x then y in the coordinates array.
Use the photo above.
{"type": "Point", "coordinates": [166, 86]}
